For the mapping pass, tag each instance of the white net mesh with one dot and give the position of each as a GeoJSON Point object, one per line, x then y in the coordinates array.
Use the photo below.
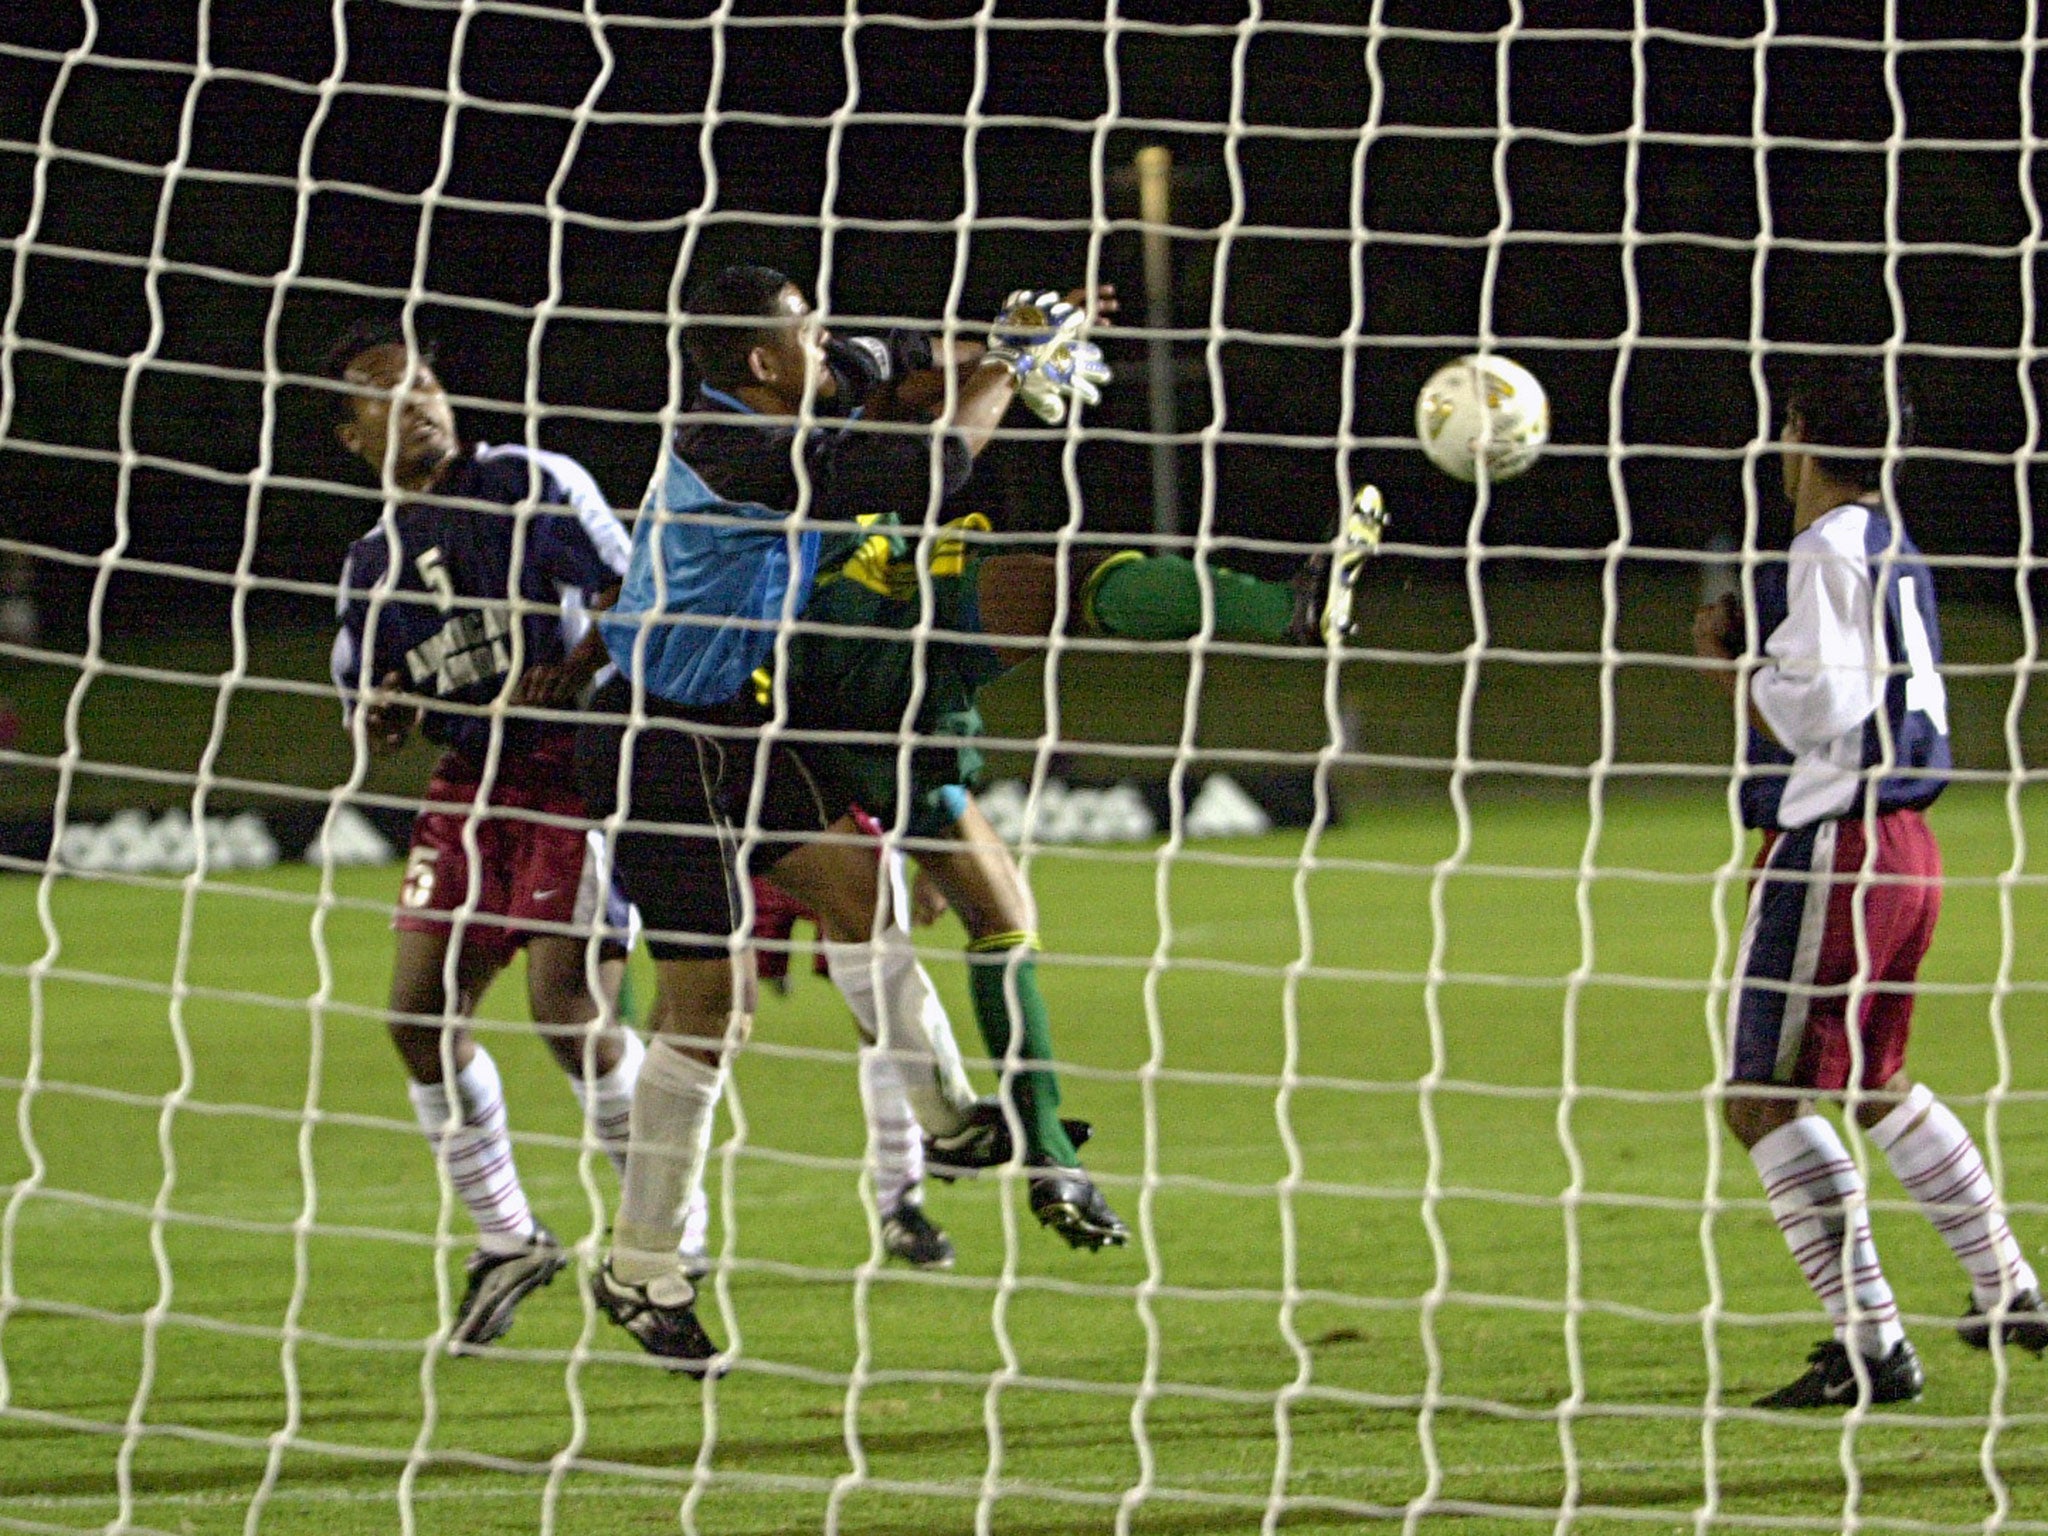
{"type": "Point", "coordinates": [1405, 1096]}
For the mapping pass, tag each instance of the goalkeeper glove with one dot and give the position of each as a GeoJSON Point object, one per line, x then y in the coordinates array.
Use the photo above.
{"type": "Point", "coordinates": [861, 363]}
{"type": "Point", "coordinates": [1039, 337]}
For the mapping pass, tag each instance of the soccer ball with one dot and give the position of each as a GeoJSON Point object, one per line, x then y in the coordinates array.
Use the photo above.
{"type": "Point", "coordinates": [1482, 406]}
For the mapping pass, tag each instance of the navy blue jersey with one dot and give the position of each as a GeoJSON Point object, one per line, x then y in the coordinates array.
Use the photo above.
{"type": "Point", "coordinates": [719, 561]}
{"type": "Point", "coordinates": [445, 624]}
{"type": "Point", "coordinates": [1848, 697]}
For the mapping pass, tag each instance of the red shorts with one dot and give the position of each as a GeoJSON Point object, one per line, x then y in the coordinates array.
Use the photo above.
{"type": "Point", "coordinates": [528, 872]}
{"type": "Point", "coordinates": [1799, 964]}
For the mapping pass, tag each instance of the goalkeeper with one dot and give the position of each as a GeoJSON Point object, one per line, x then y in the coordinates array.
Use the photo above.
{"type": "Point", "coordinates": [718, 565]}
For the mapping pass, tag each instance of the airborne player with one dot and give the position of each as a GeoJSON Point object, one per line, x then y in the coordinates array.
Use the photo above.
{"type": "Point", "coordinates": [720, 564]}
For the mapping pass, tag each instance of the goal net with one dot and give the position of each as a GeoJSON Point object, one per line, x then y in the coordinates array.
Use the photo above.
{"type": "Point", "coordinates": [1391, 975]}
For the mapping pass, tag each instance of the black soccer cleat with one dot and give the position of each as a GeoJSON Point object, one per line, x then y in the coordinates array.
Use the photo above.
{"type": "Point", "coordinates": [498, 1282]}
{"type": "Point", "coordinates": [2024, 1326]}
{"type": "Point", "coordinates": [1830, 1379]}
{"type": "Point", "coordinates": [662, 1315]}
{"type": "Point", "coordinates": [983, 1142]}
{"type": "Point", "coordinates": [1066, 1200]}
{"type": "Point", "coordinates": [910, 1235]}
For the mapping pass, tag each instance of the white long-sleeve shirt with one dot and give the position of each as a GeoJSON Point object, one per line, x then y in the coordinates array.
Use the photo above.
{"type": "Point", "coordinates": [1829, 653]}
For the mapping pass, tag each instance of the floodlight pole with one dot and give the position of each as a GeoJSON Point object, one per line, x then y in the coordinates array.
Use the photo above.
{"type": "Point", "coordinates": [1155, 206]}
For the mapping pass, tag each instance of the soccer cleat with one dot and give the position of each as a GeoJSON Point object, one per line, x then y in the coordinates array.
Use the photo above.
{"type": "Point", "coordinates": [1327, 582]}
{"type": "Point", "coordinates": [2024, 1326]}
{"type": "Point", "coordinates": [910, 1235]}
{"type": "Point", "coordinates": [983, 1142]}
{"type": "Point", "coordinates": [1066, 1200]}
{"type": "Point", "coordinates": [662, 1315]}
{"type": "Point", "coordinates": [498, 1282]}
{"type": "Point", "coordinates": [1830, 1379]}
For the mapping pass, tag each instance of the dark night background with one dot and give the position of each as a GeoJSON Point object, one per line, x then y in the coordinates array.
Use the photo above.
{"type": "Point", "coordinates": [1423, 194]}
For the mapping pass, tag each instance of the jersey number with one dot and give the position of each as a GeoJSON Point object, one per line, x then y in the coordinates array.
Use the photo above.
{"type": "Point", "coordinates": [435, 575]}
{"type": "Point", "coordinates": [1925, 691]}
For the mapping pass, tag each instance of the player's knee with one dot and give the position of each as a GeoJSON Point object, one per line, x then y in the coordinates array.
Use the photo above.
{"type": "Point", "coordinates": [1751, 1116]}
{"type": "Point", "coordinates": [1874, 1109]}
{"type": "Point", "coordinates": [698, 1009]}
{"type": "Point", "coordinates": [710, 1049]}
{"type": "Point", "coordinates": [558, 988]}
{"type": "Point", "coordinates": [429, 1050]}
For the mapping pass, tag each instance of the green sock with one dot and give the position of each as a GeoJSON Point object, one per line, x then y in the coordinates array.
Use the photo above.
{"type": "Point", "coordinates": [1160, 598]}
{"type": "Point", "coordinates": [1035, 1091]}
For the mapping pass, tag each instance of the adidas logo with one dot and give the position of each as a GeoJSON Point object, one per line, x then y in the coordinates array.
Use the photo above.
{"type": "Point", "coordinates": [1065, 815]}
{"type": "Point", "coordinates": [1118, 815]}
{"type": "Point", "coordinates": [132, 844]}
{"type": "Point", "coordinates": [1223, 809]}
{"type": "Point", "coordinates": [349, 839]}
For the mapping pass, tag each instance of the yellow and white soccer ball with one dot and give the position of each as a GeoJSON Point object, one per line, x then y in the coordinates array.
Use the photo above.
{"type": "Point", "coordinates": [1482, 407]}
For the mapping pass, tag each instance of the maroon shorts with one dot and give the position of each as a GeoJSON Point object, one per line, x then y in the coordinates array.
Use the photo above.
{"type": "Point", "coordinates": [1799, 969]}
{"type": "Point", "coordinates": [529, 872]}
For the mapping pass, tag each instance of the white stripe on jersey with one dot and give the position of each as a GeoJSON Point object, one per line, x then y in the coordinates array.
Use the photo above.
{"type": "Point", "coordinates": [346, 666]}
{"type": "Point", "coordinates": [1824, 670]}
{"type": "Point", "coordinates": [592, 510]}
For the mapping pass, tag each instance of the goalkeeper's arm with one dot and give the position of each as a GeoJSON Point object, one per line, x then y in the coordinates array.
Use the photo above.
{"type": "Point", "coordinates": [905, 374]}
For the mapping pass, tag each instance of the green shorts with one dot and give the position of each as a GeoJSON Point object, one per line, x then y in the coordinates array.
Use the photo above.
{"type": "Point", "coordinates": [843, 676]}
{"type": "Point", "coordinates": [941, 779]}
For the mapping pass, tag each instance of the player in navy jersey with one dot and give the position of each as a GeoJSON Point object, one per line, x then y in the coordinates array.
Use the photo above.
{"type": "Point", "coordinates": [469, 594]}
{"type": "Point", "coordinates": [1847, 745]}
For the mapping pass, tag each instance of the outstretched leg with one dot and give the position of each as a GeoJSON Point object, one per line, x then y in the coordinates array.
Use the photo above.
{"type": "Point", "coordinates": [1141, 596]}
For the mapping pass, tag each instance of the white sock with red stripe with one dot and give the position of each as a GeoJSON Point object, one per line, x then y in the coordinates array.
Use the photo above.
{"type": "Point", "coordinates": [1941, 1168]}
{"type": "Point", "coordinates": [608, 1101]}
{"type": "Point", "coordinates": [1816, 1194]}
{"type": "Point", "coordinates": [478, 1152]}
{"type": "Point", "coordinates": [895, 1144]}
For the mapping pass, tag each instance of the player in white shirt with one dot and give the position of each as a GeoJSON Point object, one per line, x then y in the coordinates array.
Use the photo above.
{"type": "Point", "coordinates": [1847, 745]}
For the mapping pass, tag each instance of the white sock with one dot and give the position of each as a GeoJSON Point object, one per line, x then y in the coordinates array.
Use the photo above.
{"type": "Point", "coordinates": [1941, 1168]}
{"type": "Point", "coordinates": [898, 1009]}
{"type": "Point", "coordinates": [478, 1152]}
{"type": "Point", "coordinates": [608, 1101]}
{"type": "Point", "coordinates": [1817, 1197]}
{"type": "Point", "coordinates": [895, 1147]}
{"type": "Point", "coordinates": [673, 1107]}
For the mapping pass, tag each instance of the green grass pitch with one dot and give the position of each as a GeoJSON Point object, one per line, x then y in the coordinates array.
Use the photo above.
{"type": "Point", "coordinates": [1471, 1285]}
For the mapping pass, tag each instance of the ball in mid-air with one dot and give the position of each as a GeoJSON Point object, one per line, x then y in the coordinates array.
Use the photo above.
{"type": "Point", "coordinates": [1482, 407]}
